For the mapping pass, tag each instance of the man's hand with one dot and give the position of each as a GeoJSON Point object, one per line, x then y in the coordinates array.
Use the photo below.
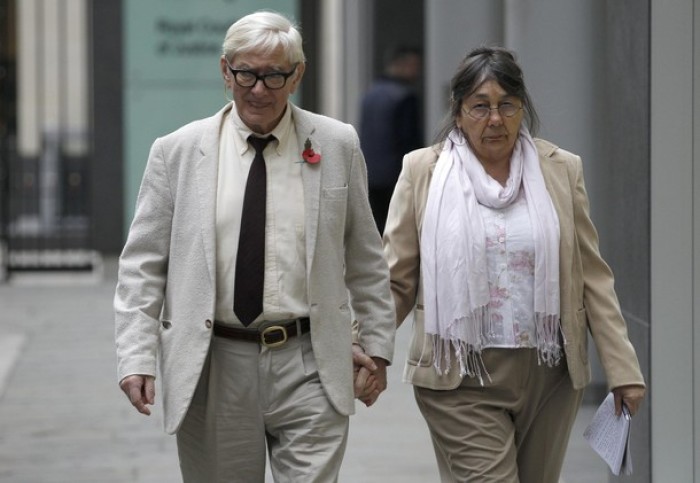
{"type": "Point", "coordinates": [631, 395]}
{"type": "Point", "coordinates": [141, 390]}
{"type": "Point", "coordinates": [369, 376]}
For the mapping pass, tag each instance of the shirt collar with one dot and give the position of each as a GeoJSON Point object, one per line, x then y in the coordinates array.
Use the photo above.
{"type": "Point", "coordinates": [281, 132]}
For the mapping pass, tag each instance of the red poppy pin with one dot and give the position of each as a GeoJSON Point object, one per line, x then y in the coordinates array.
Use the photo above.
{"type": "Point", "coordinates": [308, 154]}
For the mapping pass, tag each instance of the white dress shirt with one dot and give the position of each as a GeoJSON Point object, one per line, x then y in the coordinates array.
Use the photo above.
{"type": "Point", "coordinates": [285, 294]}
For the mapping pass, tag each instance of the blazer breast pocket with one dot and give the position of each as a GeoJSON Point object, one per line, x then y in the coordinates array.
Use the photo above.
{"type": "Point", "coordinates": [335, 194]}
{"type": "Point", "coordinates": [334, 205]}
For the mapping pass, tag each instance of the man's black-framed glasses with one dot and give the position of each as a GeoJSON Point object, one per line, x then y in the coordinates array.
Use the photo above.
{"type": "Point", "coordinates": [273, 80]}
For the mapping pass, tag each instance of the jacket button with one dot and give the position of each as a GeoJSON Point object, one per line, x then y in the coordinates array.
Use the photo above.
{"type": "Point", "coordinates": [208, 323]}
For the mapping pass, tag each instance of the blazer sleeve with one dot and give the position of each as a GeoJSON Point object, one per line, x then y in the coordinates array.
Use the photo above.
{"type": "Point", "coordinates": [401, 242]}
{"type": "Point", "coordinates": [366, 273]}
{"type": "Point", "coordinates": [142, 271]}
{"type": "Point", "coordinates": [605, 320]}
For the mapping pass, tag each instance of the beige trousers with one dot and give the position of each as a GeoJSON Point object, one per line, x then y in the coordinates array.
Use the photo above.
{"type": "Point", "coordinates": [250, 398]}
{"type": "Point", "coordinates": [513, 429]}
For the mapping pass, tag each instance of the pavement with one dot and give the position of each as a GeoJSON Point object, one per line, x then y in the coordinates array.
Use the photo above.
{"type": "Point", "coordinates": [63, 418]}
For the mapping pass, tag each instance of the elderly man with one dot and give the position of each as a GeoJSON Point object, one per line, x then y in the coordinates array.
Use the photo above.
{"type": "Point", "coordinates": [251, 254]}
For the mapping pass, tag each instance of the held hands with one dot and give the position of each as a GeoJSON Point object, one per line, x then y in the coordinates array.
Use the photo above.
{"type": "Point", "coordinates": [631, 396]}
{"type": "Point", "coordinates": [369, 375]}
{"type": "Point", "coordinates": [141, 390]}
{"type": "Point", "coordinates": [369, 382]}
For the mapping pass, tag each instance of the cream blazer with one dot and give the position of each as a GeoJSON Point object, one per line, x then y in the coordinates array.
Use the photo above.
{"type": "Point", "coordinates": [588, 299]}
{"type": "Point", "coordinates": [166, 291]}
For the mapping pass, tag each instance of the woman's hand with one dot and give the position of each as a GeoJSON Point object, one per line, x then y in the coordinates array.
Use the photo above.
{"type": "Point", "coordinates": [631, 396]}
{"type": "Point", "coordinates": [369, 376]}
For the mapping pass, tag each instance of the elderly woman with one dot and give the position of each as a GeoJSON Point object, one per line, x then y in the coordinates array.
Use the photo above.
{"type": "Point", "coordinates": [490, 243]}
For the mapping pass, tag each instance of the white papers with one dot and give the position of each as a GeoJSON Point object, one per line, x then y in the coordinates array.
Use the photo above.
{"type": "Point", "coordinates": [609, 436]}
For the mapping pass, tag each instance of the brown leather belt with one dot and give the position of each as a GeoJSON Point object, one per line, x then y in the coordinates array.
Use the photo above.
{"type": "Point", "coordinates": [273, 335]}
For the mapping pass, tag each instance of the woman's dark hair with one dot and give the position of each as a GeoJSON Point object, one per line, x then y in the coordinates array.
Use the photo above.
{"type": "Point", "coordinates": [480, 65]}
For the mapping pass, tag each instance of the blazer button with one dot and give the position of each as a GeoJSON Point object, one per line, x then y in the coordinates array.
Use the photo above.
{"type": "Point", "coordinates": [207, 323]}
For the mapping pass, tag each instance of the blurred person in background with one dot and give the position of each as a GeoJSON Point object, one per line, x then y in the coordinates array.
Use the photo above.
{"type": "Point", "coordinates": [390, 125]}
{"type": "Point", "coordinates": [490, 243]}
{"type": "Point", "coordinates": [254, 341]}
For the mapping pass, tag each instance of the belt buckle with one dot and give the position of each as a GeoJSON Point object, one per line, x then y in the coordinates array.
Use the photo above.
{"type": "Point", "coordinates": [273, 328]}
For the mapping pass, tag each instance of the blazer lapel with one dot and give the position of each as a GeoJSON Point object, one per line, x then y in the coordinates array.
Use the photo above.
{"type": "Point", "coordinates": [311, 179]}
{"type": "Point", "coordinates": [206, 174]}
{"type": "Point", "coordinates": [556, 179]}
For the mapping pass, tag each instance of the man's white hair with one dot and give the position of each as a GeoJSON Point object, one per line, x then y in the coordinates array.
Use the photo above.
{"type": "Point", "coordinates": [264, 31]}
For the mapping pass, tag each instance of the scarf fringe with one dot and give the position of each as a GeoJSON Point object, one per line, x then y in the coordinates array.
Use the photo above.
{"type": "Point", "coordinates": [467, 345]}
{"type": "Point", "coordinates": [464, 337]}
{"type": "Point", "coordinates": [548, 346]}
{"type": "Point", "coordinates": [471, 363]}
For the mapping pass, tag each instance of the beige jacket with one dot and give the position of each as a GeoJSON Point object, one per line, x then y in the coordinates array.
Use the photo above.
{"type": "Point", "coordinates": [166, 293]}
{"type": "Point", "coordinates": [588, 300]}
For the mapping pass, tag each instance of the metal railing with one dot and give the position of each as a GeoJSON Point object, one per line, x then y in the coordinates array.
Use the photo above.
{"type": "Point", "coordinates": [47, 222]}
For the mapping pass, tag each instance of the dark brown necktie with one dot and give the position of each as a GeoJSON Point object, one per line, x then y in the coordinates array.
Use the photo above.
{"type": "Point", "coordinates": [250, 261]}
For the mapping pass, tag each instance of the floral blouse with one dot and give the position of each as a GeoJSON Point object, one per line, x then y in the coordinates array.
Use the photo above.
{"type": "Point", "coordinates": [510, 254]}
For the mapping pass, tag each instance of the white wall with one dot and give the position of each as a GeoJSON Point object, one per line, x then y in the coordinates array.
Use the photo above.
{"type": "Point", "coordinates": [559, 45]}
{"type": "Point", "coordinates": [675, 236]}
{"type": "Point", "coordinates": [453, 28]}
{"type": "Point", "coordinates": [332, 51]}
